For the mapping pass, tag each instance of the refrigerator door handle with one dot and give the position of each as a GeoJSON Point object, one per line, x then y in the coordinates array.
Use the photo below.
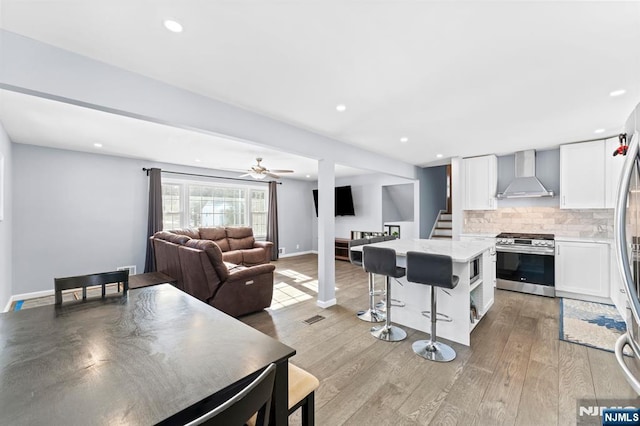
{"type": "Point", "coordinates": [623, 341]}
{"type": "Point", "coordinates": [619, 224]}
{"type": "Point", "coordinates": [622, 256]}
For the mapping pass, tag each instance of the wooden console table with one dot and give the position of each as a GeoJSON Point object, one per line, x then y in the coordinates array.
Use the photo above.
{"type": "Point", "coordinates": [342, 249]}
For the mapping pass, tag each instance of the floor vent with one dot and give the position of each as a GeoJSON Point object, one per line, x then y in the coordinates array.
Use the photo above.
{"type": "Point", "coordinates": [313, 319]}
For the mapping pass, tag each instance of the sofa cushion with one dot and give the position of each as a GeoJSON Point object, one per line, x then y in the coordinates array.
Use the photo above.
{"type": "Point", "coordinates": [171, 237]}
{"type": "Point", "coordinates": [233, 256]}
{"type": "Point", "coordinates": [217, 234]}
{"type": "Point", "coordinates": [213, 253]}
{"type": "Point", "coordinates": [189, 232]}
{"type": "Point", "coordinates": [254, 256]}
{"type": "Point", "coordinates": [240, 237]}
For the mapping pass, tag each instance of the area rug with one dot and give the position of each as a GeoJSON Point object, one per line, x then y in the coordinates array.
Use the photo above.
{"type": "Point", "coordinates": [590, 324]}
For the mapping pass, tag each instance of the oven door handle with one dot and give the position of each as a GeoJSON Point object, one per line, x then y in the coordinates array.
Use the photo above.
{"type": "Point", "coordinates": [519, 250]}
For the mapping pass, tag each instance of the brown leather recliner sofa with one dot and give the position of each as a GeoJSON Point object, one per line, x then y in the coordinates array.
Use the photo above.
{"type": "Point", "coordinates": [203, 270]}
{"type": "Point", "coordinates": [236, 242]}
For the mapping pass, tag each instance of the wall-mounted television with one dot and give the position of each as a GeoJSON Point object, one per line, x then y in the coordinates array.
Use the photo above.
{"type": "Point", "coordinates": [343, 201]}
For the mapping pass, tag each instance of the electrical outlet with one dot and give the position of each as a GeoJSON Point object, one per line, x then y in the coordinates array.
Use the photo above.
{"type": "Point", "coordinates": [297, 246]}
{"type": "Point", "coordinates": [281, 250]}
{"type": "Point", "coordinates": [131, 268]}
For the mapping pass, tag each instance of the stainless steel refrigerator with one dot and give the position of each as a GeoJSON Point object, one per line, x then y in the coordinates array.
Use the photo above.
{"type": "Point", "coordinates": [627, 247]}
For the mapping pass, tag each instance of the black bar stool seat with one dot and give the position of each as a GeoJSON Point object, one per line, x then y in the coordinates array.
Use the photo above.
{"type": "Point", "coordinates": [382, 261]}
{"type": "Point", "coordinates": [437, 271]}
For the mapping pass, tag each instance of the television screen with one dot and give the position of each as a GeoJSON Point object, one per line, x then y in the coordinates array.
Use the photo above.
{"type": "Point", "coordinates": [343, 201]}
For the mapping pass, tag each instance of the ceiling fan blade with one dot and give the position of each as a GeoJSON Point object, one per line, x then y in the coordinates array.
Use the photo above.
{"type": "Point", "coordinates": [281, 171]}
{"type": "Point", "coordinates": [272, 175]}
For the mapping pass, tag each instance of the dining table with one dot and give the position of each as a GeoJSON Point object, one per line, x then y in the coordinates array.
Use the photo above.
{"type": "Point", "coordinates": [155, 355]}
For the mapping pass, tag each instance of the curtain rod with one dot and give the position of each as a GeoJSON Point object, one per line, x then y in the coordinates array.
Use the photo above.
{"type": "Point", "coordinates": [144, 169]}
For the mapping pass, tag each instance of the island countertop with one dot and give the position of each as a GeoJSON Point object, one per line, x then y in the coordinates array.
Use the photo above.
{"type": "Point", "coordinates": [460, 251]}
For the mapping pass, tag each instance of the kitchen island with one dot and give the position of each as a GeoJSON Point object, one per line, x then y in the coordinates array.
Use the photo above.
{"type": "Point", "coordinates": [465, 305]}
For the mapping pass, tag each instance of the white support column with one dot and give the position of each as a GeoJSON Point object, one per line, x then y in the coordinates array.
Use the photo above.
{"type": "Point", "coordinates": [457, 197]}
{"type": "Point", "coordinates": [326, 234]}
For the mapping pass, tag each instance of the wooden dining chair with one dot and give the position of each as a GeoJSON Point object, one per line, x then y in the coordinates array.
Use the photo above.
{"type": "Point", "coordinates": [302, 388]}
{"type": "Point", "coordinates": [84, 281]}
{"type": "Point", "coordinates": [236, 411]}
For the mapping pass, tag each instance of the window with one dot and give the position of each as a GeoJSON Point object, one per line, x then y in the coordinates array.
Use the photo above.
{"type": "Point", "coordinates": [199, 204]}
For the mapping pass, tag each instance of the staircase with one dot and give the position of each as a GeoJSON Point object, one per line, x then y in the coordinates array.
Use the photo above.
{"type": "Point", "coordinates": [442, 227]}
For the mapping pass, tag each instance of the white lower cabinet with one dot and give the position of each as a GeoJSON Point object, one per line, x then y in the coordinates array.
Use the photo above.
{"type": "Point", "coordinates": [583, 268]}
{"type": "Point", "coordinates": [618, 293]}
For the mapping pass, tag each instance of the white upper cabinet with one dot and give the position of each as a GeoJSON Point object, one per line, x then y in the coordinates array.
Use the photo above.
{"type": "Point", "coordinates": [582, 175]}
{"type": "Point", "coordinates": [481, 182]}
{"type": "Point", "coordinates": [613, 171]}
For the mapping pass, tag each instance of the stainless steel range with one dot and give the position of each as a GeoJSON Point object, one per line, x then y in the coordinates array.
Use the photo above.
{"type": "Point", "coordinates": [526, 263]}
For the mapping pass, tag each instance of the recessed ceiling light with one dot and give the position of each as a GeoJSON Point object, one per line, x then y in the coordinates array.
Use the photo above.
{"type": "Point", "coordinates": [438, 155]}
{"type": "Point", "coordinates": [618, 92]}
{"type": "Point", "coordinates": [97, 145]}
{"type": "Point", "coordinates": [173, 26]}
{"type": "Point", "coordinates": [308, 176]}
{"type": "Point", "coordinates": [341, 107]}
{"type": "Point", "coordinates": [404, 140]}
{"type": "Point", "coordinates": [198, 160]}
{"type": "Point", "coordinates": [599, 131]}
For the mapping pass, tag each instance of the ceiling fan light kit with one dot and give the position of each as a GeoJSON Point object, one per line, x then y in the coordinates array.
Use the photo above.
{"type": "Point", "coordinates": [259, 171]}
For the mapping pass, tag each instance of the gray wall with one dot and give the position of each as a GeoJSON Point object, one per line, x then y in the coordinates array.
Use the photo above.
{"type": "Point", "coordinates": [84, 213]}
{"type": "Point", "coordinates": [6, 223]}
{"type": "Point", "coordinates": [367, 203]}
{"type": "Point", "coordinates": [547, 171]}
{"type": "Point", "coordinates": [433, 196]}
{"type": "Point", "coordinates": [397, 203]}
{"type": "Point", "coordinates": [295, 215]}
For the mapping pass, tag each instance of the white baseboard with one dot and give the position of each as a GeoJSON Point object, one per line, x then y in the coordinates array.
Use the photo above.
{"type": "Point", "coordinates": [300, 253]}
{"type": "Point", "coordinates": [6, 308]}
{"type": "Point", "coordinates": [326, 304]}
{"type": "Point", "coordinates": [25, 296]}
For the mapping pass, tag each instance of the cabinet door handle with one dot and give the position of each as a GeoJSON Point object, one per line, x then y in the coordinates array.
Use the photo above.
{"type": "Point", "coordinates": [564, 200]}
{"type": "Point", "coordinates": [558, 251]}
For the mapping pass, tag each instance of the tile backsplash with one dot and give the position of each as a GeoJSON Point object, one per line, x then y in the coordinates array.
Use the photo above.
{"type": "Point", "coordinates": [597, 223]}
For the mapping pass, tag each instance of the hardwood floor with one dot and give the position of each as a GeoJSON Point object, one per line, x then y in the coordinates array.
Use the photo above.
{"type": "Point", "coordinates": [515, 372]}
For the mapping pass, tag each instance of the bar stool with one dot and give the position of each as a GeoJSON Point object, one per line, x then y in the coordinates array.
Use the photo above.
{"type": "Point", "coordinates": [381, 305]}
{"type": "Point", "coordinates": [380, 260]}
{"type": "Point", "coordinates": [355, 257]}
{"type": "Point", "coordinates": [437, 271]}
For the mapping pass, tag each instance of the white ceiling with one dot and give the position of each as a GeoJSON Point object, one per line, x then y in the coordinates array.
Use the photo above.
{"type": "Point", "coordinates": [457, 78]}
{"type": "Point", "coordinates": [38, 121]}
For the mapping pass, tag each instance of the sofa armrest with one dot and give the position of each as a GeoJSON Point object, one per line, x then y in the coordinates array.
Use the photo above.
{"type": "Point", "coordinates": [247, 290]}
{"type": "Point", "coordinates": [267, 246]}
{"type": "Point", "coordinates": [263, 244]}
{"type": "Point", "coordinates": [247, 274]}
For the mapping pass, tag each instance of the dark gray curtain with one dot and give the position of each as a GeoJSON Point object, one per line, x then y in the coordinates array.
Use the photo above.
{"type": "Point", "coordinates": [155, 215]}
{"type": "Point", "coordinates": [272, 219]}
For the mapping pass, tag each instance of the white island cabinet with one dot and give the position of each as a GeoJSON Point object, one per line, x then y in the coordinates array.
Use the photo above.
{"type": "Point", "coordinates": [457, 304]}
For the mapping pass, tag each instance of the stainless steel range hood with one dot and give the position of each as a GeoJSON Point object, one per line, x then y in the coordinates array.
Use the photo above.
{"type": "Point", "coordinates": [526, 184]}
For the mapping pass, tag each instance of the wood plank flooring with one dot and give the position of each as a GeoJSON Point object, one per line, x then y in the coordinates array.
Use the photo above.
{"type": "Point", "coordinates": [516, 371]}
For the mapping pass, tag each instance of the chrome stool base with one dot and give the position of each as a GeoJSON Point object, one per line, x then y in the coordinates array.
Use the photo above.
{"type": "Point", "coordinates": [371, 316]}
{"type": "Point", "coordinates": [434, 351]}
{"type": "Point", "coordinates": [389, 333]}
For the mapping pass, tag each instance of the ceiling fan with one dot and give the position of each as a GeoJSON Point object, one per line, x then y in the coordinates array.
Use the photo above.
{"type": "Point", "coordinates": [258, 171]}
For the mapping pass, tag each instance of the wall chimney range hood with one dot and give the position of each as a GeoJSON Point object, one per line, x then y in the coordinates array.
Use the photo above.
{"type": "Point", "coordinates": [525, 184]}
